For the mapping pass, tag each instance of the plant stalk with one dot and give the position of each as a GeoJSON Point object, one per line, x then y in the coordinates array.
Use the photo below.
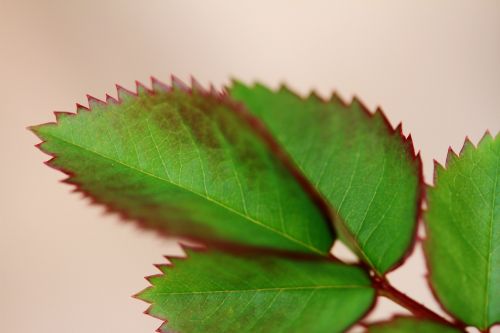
{"type": "Point", "coordinates": [384, 288]}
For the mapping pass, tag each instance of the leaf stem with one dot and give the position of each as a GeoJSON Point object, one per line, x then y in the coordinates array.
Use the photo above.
{"type": "Point", "coordinates": [384, 288]}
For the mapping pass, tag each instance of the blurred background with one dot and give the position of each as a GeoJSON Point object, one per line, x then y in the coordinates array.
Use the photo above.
{"type": "Point", "coordinates": [64, 266]}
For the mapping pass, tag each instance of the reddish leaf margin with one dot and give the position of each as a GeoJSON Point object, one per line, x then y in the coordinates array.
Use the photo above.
{"type": "Point", "coordinates": [224, 98]}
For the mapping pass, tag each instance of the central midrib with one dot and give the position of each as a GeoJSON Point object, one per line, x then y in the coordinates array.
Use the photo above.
{"type": "Point", "coordinates": [249, 218]}
{"type": "Point", "coordinates": [352, 239]}
{"type": "Point", "coordinates": [266, 289]}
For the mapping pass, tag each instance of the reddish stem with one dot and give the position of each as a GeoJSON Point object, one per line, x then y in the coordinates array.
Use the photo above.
{"type": "Point", "coordinates": [385, 289]}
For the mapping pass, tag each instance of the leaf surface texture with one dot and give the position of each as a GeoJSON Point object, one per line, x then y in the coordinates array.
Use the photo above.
{"type": "Point", "coordinates": [463, 226]}
{"type": "Point", "coordinates": [367, 171]}
{"type": "Point", "coordinates": [187, 162]}
{"type": "Point", "coordinates": [217, 292]}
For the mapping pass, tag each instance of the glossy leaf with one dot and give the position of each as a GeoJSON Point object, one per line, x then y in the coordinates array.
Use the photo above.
{"type": "Point", "coordinates": [216, 292]}
{"type": "Point", "coordinates": [367, 171]}
{"type": "Point", "coordinates": [410, 325]}
{"type": "Point", "coordinates": [188, 162]}
{"type": "Point", "coordinates": [463, 223]}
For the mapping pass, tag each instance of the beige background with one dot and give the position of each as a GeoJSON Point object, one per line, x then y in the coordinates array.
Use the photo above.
{"type": "Point", "coordinates": [435, 65]}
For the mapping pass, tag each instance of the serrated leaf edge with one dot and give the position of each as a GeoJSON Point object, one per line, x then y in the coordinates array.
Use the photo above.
{"type": "Point", "coordinates": [186, 249]}
{"type": "Point", "coordinates": [158, 86]}
{"type": "Point", "coordinates": [122, 94]}
{"type": "Point", "coordinates": [189, 248]}
{"type": "Point", "coordinates": [407, 142]}
{"type": "Point", "coordinates": [451, 157]}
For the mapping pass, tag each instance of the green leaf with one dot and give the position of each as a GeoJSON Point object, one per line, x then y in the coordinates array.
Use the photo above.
{"type": "Point", "coordinates": [188, 162]}
{"type": "Point", "coordinates": [463, 233]}
{"type": "Point", "coordinates": [217, 292]}
{"type": "Point", "coordinates": [410, 325]}
{"type": "Point", "coordinates": [367, 171]}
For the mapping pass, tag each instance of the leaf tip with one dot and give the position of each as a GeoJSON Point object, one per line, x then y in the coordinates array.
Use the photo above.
{"type": "Point", "coordinates": [466, 146]}
{"type": "Point", "coordinates": [399, 128]}
{"type": "Point", "coordinates": [358, 102]}
{"type": "Point", "coordinates": [94, 102]}
{"type": "Point", "coordinates": [486, 137]}
{"type": "Point", "coordinates": [81, 108]}
{"type": "Point", "coordinates": [438, 168]}
{"type": "Point", "coordinates": [197, 86]}
{"type": "Point", "coordinates": [123, 93]}
{"type": "Point", "coordinates": [336, 98]}
{"type": "Point", "coordinates": [141, 294]}
{"type": "Point", "coordinates": [40, 132]}
{"type": "Point", "coordinates": [35, 129]}
{"type": "Point", "coordinates": [314, 96]}
{"type": "Point", "coordinates": [111, 100]}
{"type": "Point", "coordinates": [60, 115]}
{"type": "Point", "coordinates": [178, 83]}
{"type": "Point", "coordinates": [151, 279]}
{"type": "Point", "coordinates": [50, 162]}
{"type": "Point", "coordinates": [450, 156]}
{"type": "Point", "coordinates": [283, 88]}
{"type": "Point", "coordinates": [141, 88]}
{"type": "Point", "coordinates": [158, 86]}
{"type": "Point", "coordinates": [163, 267]}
